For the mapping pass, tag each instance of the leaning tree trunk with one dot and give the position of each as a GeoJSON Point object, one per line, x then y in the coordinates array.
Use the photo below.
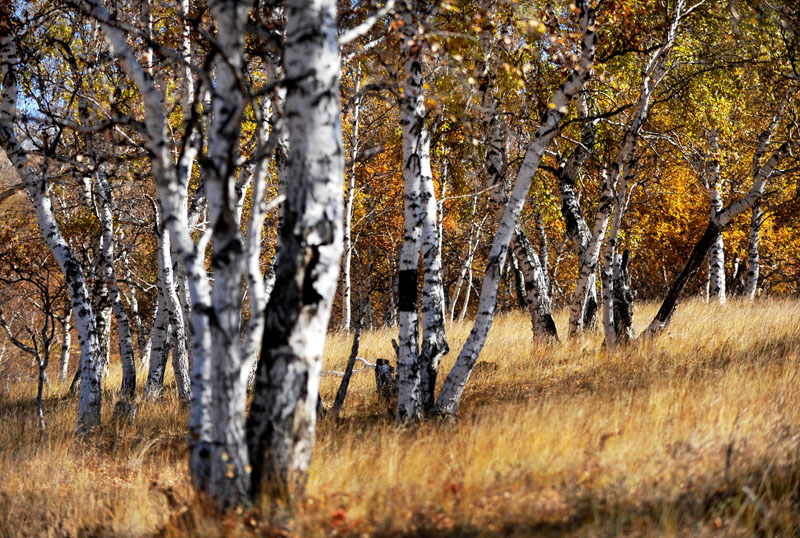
{"type": "Point", "coordinates": [577, 230]}
{"type": "Point", "coordinates": [536, 287]}
{"type": "Point", "coordinates": [715, 226]}
{"type": "Point", "coordinates": [652, 75]}
{"type": "Point", "coordinates": [450, 395]}
{"type": "Point", "coordinates": [283, 414]}
{"type": "Point", "coordinates": [37, 188]}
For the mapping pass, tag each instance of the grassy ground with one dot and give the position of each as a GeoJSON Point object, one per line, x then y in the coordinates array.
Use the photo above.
{"type": "Point", "coordinates": [695, 433]}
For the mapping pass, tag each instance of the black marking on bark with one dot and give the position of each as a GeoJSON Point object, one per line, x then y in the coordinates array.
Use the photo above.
{"type": "Point", "coordinates": [407, 290]}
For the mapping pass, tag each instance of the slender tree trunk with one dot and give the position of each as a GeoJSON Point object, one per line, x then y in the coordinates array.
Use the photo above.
{"type": "Point", "coordinates": [255, 281]}
{"type": "Point", "coordinates": [283, 413]}
{"type": "Point", "coordinates": [584, 313]}
{"type": "Point", "coordinates": [450, 396]}
{"type": "Point", "coordinates": [107, 261]}
{"type": "Point", "coordinates": [716, 258]}
{"type": "Point", "coordinates": [751, 285]}
{"type": "Point", "coordinates": [66, 346]}
{"type": "Point", "coordinates": [434, 339]}
{"type": "Point", "coordinates": [141, 339]}
{"type": "Point", "coordinates": [348, 207]}
{"type": "Point", "coordinates": [160, 333]}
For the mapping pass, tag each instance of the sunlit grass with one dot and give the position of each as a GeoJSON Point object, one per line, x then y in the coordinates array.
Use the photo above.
{"type": "Point", "coordinates": [696, 432]}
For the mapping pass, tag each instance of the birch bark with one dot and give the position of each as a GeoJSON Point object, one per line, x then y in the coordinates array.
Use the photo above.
{"type": "Point", "coordinates": [283, 413]}
{"type": "Point", "coordinates": [66, 346]}
{"type": "Point", "coordinates": [612, 194]}
{"type": "Point", "coordinates": [716, 258]}
{"type": "Point", "coordinates": [751, 285]}
{"type": "Point", "coordinates": [218, 455]}
{"type": "Point", "coordinates": [536, 288]}
{"type": "Point", "coordinates": [416, 368]}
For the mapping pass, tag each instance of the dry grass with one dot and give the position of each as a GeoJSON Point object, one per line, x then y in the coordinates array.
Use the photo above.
{"type": "Point", "coordinates": [694, 433]}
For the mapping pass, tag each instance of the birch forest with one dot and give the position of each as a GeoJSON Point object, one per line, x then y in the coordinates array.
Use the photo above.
{"type": "Point", "coordinates": [400, 268]}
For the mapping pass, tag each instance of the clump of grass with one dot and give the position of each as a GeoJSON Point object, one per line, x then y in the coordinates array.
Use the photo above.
{"type": "Point", "coordinates": [693, 433]}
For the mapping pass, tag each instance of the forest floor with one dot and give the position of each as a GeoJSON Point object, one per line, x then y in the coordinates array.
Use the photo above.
{"type": "Point", "coordinates": [696, 433]}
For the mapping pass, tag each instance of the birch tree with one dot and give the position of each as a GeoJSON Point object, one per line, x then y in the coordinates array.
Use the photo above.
{"type": "Point", "coordinates": [450, 396]}
{"type": "Point", "coordinates": [615, 183]}
{"type": "Point", "coordinates": [218, 454]}
{"type": "Point", "coordinates": [715, 225]}
{"type": "Point", "coordinates": [282, 418]}
{"type": "Point", "coordinates": [751, 282]}
{"type": "Point", "coordinates": [716, 256]}
{"type": "Point", "coordinates": [37, 185]}
{"type": "Point", "coordinates": [537, 295]}
{"type": "Point", "coordinates": [416, 367]}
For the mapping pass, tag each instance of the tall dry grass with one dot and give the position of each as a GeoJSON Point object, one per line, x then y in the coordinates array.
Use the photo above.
{"type": "Point", "coordinates": [694, 433]}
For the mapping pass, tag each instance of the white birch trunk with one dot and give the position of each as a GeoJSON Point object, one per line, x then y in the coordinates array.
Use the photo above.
{"type": "Point", "coordinates": [450, 396]}
{"type": "Point", "coordinates": [128, 389]}
{"type": "Point", "coordinates": [751, 285]}
{"type": "Point", "coordinates": [716, 257]}
{"type": "Point", "coordinates": [141, 340]}
{"type": "Point", "coordinates": [218, 456]}
{"type": "Point", "coordinates": [348, 208]}
{"type": "Point", "coordinates": [284, 409]}
{"type": "Point", "coordinates": [652, 75]}
{"type": "Point", "coordinates": [160, 333]}
{"type": "Point", "coordinates": [252, 255]}
{"type": "Point", "coordinates": [751, 282]}
{"type": "Point", "coordinates": [416, 162]}
{"type": "Point", "coordinates": [576, 227]}
{"type": "Point", "coordinates": [434, 339]}
{"type": "Point", "coordinates": [37, 188]}
{"type": "Point", "coordinates": [66, 346]}
{"type": "Point", "coordinates": [611, 259]}
{"type": "Point", "coordinates": [229, 478]}
{"type": "Point", "coordinates": [536, 288]}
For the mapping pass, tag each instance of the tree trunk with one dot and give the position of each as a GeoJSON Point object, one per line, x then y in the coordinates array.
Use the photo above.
{"type": "Point", "coordinates": [716, 258]}
{"type": "Point", "coordinates": [105, 196]}
{"type": "Point", "coordinates": [623, 301]}
{"type": "Point", "coordinates": [536, 287]}
{"type": "Point", "coordinates": [416, 173]}
{"type": "Point", "coordinates": [283, 413]}
{"type": "Point", "coordinates": [450, 396]}
{"type": "Point", "coordinates": [66, 346]}
{"type": "Point", "coordinates": [348, 208]}
{"type": "Point", "coordinates": [752, 252]}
